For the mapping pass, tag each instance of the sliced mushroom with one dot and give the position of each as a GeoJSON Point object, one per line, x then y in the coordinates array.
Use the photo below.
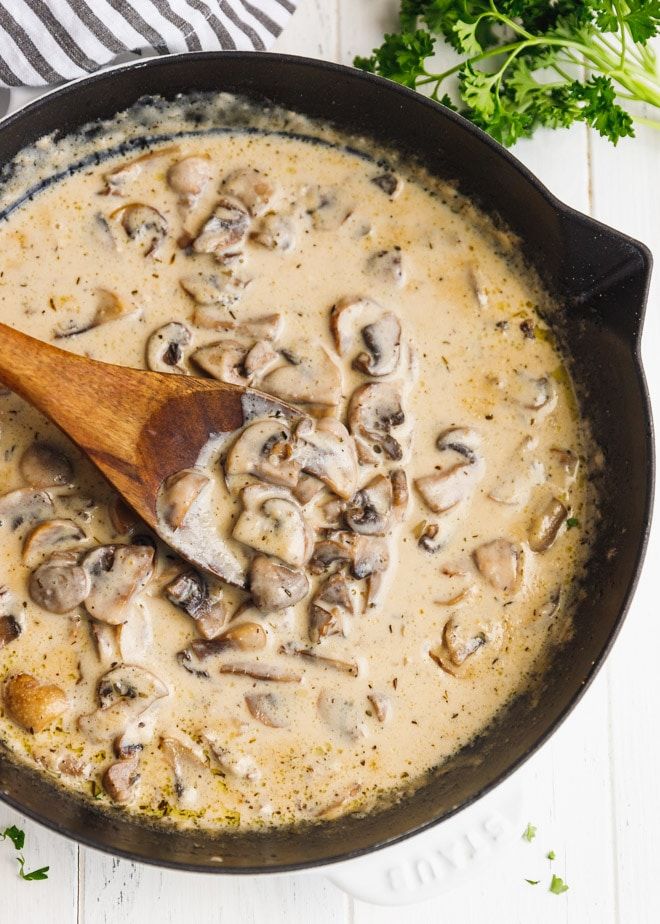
{"type": "Point", "coordinates": [331, 608]}
{"type": "Point", "coordinates": [252, 188]}
{"type": "Point", "coordinates": [455, 585]}
{"type": "Point", "coordinates": [431, 536]}
{"type": "Point", "coordinates": [259, 671]}
{"type": "Point", "coordinates": [144, 225]}
{"type": "Point", "coordinates": [382, 335]}
{"type": "Point", "coordinates": [260, 359]}
{"type": "Point", "coordinates": [165, 348]}
{"type": "Point", "coordinates": [109, 307]}
{"type": "Point", "coordinates": [275, 232]}
{"type": "Point", "coordinates": [189, 177]}
{"type": "Point", "coordinates": [460, 470]}
{"type": "Point", "coordinates": [60, 584]}
{"type": "Point", "coordinates": [117, 574]}
{"type": "Point", "coordinates": [25, 506]}
{"type": "Point", "coordinates": [264, 449]}
{"type": "Point", "coordinates": [246, 636]}
{"type": "Point", "coordinates": [327, 451]}
{"type": "Point", "coordinates": [211, 290]}
{"type": "Point", "coordinates": [463, 638]}
{"type": "Point", "coordinates": [366, 555]}
{"type": "Point", "coordinates": [309, 377]}
{"type": "Point", "coordinates": [535, 395]}
{"type": "Point", "coordinates": [179, 494]}
{"type": "Point", "coordinates": [342, 715]}
{"type": "Point", "coordinates": [400, 496]}
{"type": "Point", "coordinates": [382, 705]}
{"type": "Point", "coordinates": [387, 265]}
{"type": "Point", "coordinates": [274, 586]}
{"type": "Point", "coordinates": [121, 778]}
{"type": "Point", "coordinates": [374, 411]}
{"type": "Point", "coordinates": [43, 465]}
{"type": "Point", "coordinates": [500, 563]}
{"type": "Point", "coordinates": [312, 654]}
{"type": "Point", "coordinates": [262, 327]}
{"type": "Point", "coordinates": [118, 179]}
{"type": "Point", "coordinates": [389, 183]}
{"type": "Point", "coordinates": [370, 510]}
{"type": "Point", "coordinates": [51, 536]}
{"type": "Point", "coordinates": [224, 361]}
{"type": "Point", "coordinates": [10, 630]}
{"type": "Point", "coordinates": [519, 475]}
{"type": "Point", "coordinates": [190, 592]}
{"type": "Point", "coordinates": [328, 208]}
{"type": "Point", "coordinates": [225, 231]}
{"type": "Point", "coordinates": [306, 489]}
{"type": "Point", "coordinates": [32, 704]}
{"type": "Point", "coordinates": [241, 766]}
{"type": "Point", "coordinates": [268, 709]}
{"type": "Point", "coordinates": [188, 770]}
{"type": "Point", "coordinates": [545, 524]}
{"type": "Point", "coordinates": [272, 522]}
{"type": "Point", "coordinates": [125, 694]}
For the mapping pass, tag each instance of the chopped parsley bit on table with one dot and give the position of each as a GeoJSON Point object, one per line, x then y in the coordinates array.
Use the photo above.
{"type": "Point", "coordinates": [529, 833]}
{"type": "Point", "coordinates": [17, 837]}
{"type": "Point", "coordinates": [533, 881]}
{"type": "Point", "coordinates": [551, 855]}
{"type": "Point", "coordinates": [557, 886]}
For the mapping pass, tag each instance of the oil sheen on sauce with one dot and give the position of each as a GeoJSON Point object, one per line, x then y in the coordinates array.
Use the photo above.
{"type": "Point", "coordinates": [431, 618]}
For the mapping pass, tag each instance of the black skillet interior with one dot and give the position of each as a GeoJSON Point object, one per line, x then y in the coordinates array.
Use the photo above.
{"type": "Point", "coordinates": [602, 278]}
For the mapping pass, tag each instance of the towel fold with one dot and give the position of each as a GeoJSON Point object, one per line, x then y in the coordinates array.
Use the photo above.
{"type": "Point", "coordinates": [52, 41]}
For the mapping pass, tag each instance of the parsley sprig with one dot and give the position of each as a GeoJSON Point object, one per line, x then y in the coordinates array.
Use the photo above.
{"type": "Point", "coordinates": [522, 61]}
{"type": "Point", "coordinates": [17, 837]}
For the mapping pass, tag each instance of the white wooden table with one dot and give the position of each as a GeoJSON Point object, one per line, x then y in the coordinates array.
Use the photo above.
{"type": "Point", "coordinates": [593, 791]}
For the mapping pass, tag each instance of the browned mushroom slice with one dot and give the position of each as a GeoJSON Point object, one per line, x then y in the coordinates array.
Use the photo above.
{"type": "Point", "coordinates": [118, 179]}
{"type": "Point", "coordinates": [500, 563]}
{"type": "Point", "coordinates": [117, 574]}
{"type": "Point", "coordinates": [370, 510]}
{"type": "Point", "coordinates": [125, 695]}
{"type": "Point", "coordinates": [25, 506]}
{"type": "Point", "coordinates": [389, 183]}
{"type": "Point", "coordinates": [246, 636]}
{"type": "Point", "coordinates": [179, 493]}
{"type": "Point", "coordinates": [252, 188]}
{"type": "Point", "coordinates": [460, 470]}
{"type": "Point", "coordinates": [272, 522]}
{"type": "Point", "coordinates": [224, 361]}
{"type": "Point", "coordinates": [32, 704]}
{"type": "Point", "coordinates": [387, 265]}
{"type": "Point", "coordinates": [275, 232]}
{"type": "Point", "coordinates": [144, 225]}
{"type": "Point", "coordinates": [461, 643]}
{"type": "Point", "coordinates": [10, 630]}
{"type": "Point", "coordinates": [210, 291]}
{"type": "Point", "coordinates": [259, 671]}
{"type": "Point", "coordinates": [306, 489]}
{"type": "Point", "coordinates": [312, 654]}
{"type": "Point", "coordinates": [43, 465]}
{"type": "Point", "coordinates": [382, 705]}
{"type": "Point", "coordinates": [309, 377]}
{"type": "Point", "coordinates": [264, 449]}
{"type": "Point", "coordinates": [262, 327]}
{"type": "Point", "coordinates": [188, 769]}
{"type": "Point", "coordinates": [430, 536]}
{"type": "Point", "coordinates": [331, 607]}
{"type": "Point", "coordinates": [190, 592]}
{"type": "Point", "coordinates": [374, 411]}
{"type": "Point", "coordinates": [121, 778]}
{"type": "Point", "coordinates": [51, 536]}
{"type": "Point", "coordinates": [109, 307]}
{"type": "Point", "coordinates": [274, 586]}
{"type": "Point", "coordinates": [165, 348]}
{"type": "Point", "coordinates": [242, 766]}
{"type": "Point", "coordinates": [60, 584]}
{"type": "Point", "coordinates": [400, 495]}
{"type": "Point", "coordinates": [462, 639]}
{"type": "Point", "coordinates": [327, 451]}
{"type": "Point", "coordinates": [381, 335]}
{"type": "Point", "coordinates": [366, 555]}
{"type": "Point", "coordinates": [259, 360]}
{"type": "Point", "coordinates": [545, 524]}
{"type": "Point", "coordinates": [342, 715]}
{"type": "Point", "coordinates": [225, 231]}
{"type": "Point", "coordinates": [189, 177]}
{"type": "Point", "coordinates": [268, 709]}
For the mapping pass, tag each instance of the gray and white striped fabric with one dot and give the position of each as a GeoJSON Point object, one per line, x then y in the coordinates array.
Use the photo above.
{"type": "Point", "coordinates": [51, 41]}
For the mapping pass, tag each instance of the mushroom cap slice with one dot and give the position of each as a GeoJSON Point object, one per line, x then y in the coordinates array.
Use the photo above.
{"type": "Point", "coordinates": [309, 377]}
{"type": "Point", "coordinates": [125, 693]}
{"type": "Point", "coordinates": [51, 536]}
{"type": "Point", "coordinates": [545, 524]}
{"type": "Point", "coordinates": [259, 671]}
{"type": "Point", "coordinates": [312, 654]}
{"type": "Point", "coordinates": [344, 315]}
{"type": "Point", "coordinates": [275, 232]}
{"type": "Point", "coordinates": [274, 586]}
{"type": "Point", "coordinates": [518, 477]}
{"type": "Point", "coordinates": [239, 765]}
{"type": "Point", "coordinates": [382, 705]}
{"type": "Point", "coordinates": [383, 342]}
{"type": "Point", "coordinates": [10, 629]}
{"type": "Point", "coordinates": [32, 704]}
{"type": "Point", "coordinates": [121, 778]}
{"type": "Point", "coordinates": [327, 451]}
{"type": "Point", "coordinates": [179, 493]}
{"type": "Point", "coordinates": [445, 489]}
{"type": "Point", "coordinates": [370, 510]}
{"type": "Point", "coordinates": [224, 361]}
{"type": "Point", "coordinates": [500, 563]}
{"type": "Point", "coordinates": [341, 715]}
{"type": "Point", "coordinates": [165, 348]}
{"type": "Point", "coordinates": [225, 230]}
{"type": "Point", "coordinates": [245, 636]}
{"type": "Point", "coordinates": [189, 177]}
{"type": "Point", "coordinates": [211, 290]}
{"type": "Point", "coordinates": [375, 410]}
{"type": "Point", "coordinates": [268, 709]}
{"type": "Point", "coordinates": [187, 767]}
{"type": "Point", "coordinates": [538, 396]}
{"type": "Point", "coordinates": [117, 574]}
{"type": "Point", "coordinates": [272, 522]}
{"type": "Point", "coordinates": [264, 449]}
{"type": "Point", "coordinates": [331, 606]}
{"type": "Point", "coordinates": [367, 555]}
{"type": "Point", "coordinates": [190, 592]}
{"type": "Point", "coordinates": [387, 266]}
{"type": "Point", "coordinates": [60, 584]}
{"type": "Point", "coordinates": [25, 505]}
{"type": "Point", "coordinates": [251, 187]}
{"type": "Point", "coordinates": [43, 465]}
{"type": "Point", "coordinates": [143, 224]}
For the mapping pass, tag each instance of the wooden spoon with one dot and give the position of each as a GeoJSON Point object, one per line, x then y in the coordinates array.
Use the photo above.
{"type": "Point", "coordinates": [137, 427]}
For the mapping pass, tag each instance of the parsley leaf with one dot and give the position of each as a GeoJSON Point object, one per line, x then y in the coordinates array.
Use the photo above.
{"type": "Point", "coordinates": [551, 855]}
{"type": "Point", "coordinates": [529, 833]}
{"type": "Point", "coordinates": [35, 874]}
{"type": "Point", "coordinates": [15, 835]}
{"type": "Point", "coordinates": [558, 886]}
{"type": "Point", "coordinates": [572, 523]}
{"type": "Point", "coordinates": [533, 881]}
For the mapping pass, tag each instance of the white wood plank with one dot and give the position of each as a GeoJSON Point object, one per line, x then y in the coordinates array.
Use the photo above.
{"type": "Point", "coordinates": [312, 31]}
{"type": "Point", "coordinates": [54, 899]}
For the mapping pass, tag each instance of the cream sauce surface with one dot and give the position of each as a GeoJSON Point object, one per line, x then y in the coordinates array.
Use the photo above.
{"type": "Point", "coordinates": [436, 641]}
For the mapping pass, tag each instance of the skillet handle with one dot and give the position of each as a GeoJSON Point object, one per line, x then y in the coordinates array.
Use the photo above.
{"type": "Point", "coordinates": [441, 858]}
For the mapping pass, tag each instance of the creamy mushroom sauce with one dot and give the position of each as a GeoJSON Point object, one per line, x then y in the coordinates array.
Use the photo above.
{"type": "Point", "coordinates": [412, 543]}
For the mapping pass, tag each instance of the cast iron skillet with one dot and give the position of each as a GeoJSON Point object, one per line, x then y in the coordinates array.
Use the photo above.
{"type": "Point", "coordinates": [602, 278]}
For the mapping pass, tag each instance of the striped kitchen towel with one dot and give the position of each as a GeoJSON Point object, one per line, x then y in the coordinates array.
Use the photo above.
{"type": "Point", "coordinates": [50, 41]}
